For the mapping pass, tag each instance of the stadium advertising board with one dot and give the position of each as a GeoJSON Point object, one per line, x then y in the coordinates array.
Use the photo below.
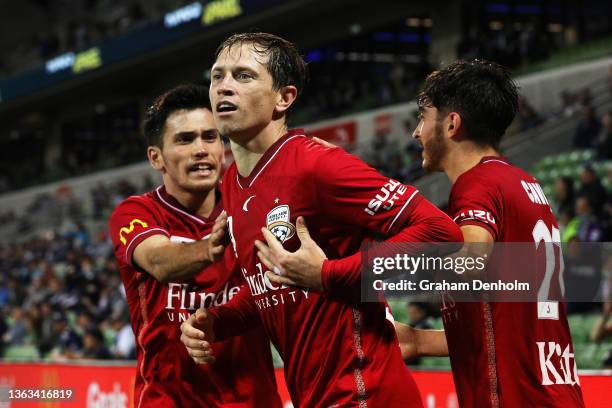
{"type": "Point", "coordinates": [112, 386]}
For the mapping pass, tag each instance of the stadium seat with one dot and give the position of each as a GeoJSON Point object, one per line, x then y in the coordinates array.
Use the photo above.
{"type": "Point", "coordinates": [21, 353]}
{"type": "Point", "coordinates": [435, 362]}
{"type": "Point", "coordinates": [399, 309]}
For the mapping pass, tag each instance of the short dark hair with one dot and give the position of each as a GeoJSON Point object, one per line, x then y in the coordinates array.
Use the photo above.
{"type": "Point", "coordinates": [285, 64]}
{"type": "Point", "coordinates": [482, 92]}
{"type": "Point", "coordinates": [186, 96]}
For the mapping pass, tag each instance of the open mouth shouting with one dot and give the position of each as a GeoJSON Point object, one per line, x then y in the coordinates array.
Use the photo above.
{"type": "Point", "coordinates": [201, 169]}
{"type": "Point", "coordinates": [225, 108]}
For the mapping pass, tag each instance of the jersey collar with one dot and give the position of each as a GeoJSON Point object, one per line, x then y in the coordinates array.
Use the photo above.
{"type": "Point", "coordinates": [498, 159]}
{"type": "Point", "coordinates": [172, 204]}
{"type": "Point", "coordinates": [266, 158]}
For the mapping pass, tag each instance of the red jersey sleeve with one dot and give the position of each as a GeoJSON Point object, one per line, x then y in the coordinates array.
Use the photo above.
{"type": "Point", "coordinates": [131, 223]}
{"type": "Point", "coordinates": [473, 204]}
{"type": "Point", "coordinates": [352, 192]}
{"type": "Point", "coordinates": [355, 193]}
{"type": "Point", "coordinates": [426, 223]}
{"type": "Point", "coordinates": [237, 316]}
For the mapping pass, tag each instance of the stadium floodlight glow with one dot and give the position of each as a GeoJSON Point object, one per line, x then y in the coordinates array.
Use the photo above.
{"type": "Point", "coordinates": [183, 15]}
{"type": "Point", "coordinates": [59, 63]}
{"type": "Point", "coordinates": [413, 22]}
{"type": "Point", "coordinates": [219, 10]}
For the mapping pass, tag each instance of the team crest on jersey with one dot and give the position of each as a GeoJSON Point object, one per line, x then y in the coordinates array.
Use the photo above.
{"type": "Point", "coordinates": [277, 222]}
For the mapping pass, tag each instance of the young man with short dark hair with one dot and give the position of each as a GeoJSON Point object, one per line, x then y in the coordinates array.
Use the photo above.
{"type": "Point", "coordinates": [172, 259]}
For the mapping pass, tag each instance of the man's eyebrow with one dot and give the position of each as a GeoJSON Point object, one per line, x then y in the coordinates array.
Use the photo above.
{"type": "Point", "coordinates": [184, 133]}
{"type": "Point", "coordinates": [210, 132]}
{"type": "Point", "coordinates": [235, 68]}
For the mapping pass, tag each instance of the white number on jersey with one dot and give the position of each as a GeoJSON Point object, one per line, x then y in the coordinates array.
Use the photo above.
{"type": "Point", "coordinates": [541, 233]}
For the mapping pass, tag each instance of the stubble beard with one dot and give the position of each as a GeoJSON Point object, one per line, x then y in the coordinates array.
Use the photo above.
{"type": "Point", "coordinates": [436, 150]}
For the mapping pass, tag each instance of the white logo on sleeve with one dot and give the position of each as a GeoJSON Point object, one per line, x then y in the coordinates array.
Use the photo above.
{"type": "Point", "coordinates": [565, 371]}
{"type": "Point", "coordinates": [244, 206]}
{"type": "Point", "coordinates": [479, 215]}
{"type": "Point", "coordinates": [386, 197]}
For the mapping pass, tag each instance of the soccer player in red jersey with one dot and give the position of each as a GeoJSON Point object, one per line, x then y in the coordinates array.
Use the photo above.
{"type": "Point", "coordinates": [337, 351]}
{"type": "Point", "coordinates": [166, 242]}
{"type": "Point", "coordinates": [502, 354]}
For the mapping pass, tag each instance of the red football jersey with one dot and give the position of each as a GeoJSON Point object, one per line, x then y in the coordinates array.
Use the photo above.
{"type": "Point", "coordinates": [337, 351]}
{"type": "Point", "coordinates": [243, 375]}
{"type": "Point", "coordinates": [510, 354]}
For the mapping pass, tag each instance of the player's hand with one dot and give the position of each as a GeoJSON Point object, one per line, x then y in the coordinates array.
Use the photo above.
{"type": "Point", "coordinates": [218, 238]}
{"type": "Point", "coordinates": [300, 268]}
{"type": "Point", "coordinates": [322, 142]}
{"type": "Point", "coordinates": [407, 340]}
{"type": "Point", "coordinates": [198, 336]}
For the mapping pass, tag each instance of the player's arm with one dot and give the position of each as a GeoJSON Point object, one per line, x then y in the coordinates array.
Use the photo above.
{"type": "Point", "coordinates": [140, 241]}
{"type": "Point", "coordinates": [603, 325]}
{"type": "Point", "coordinates": [205, 327]}
{"type": "Point", "coordinates": [478, 212]}
{"type": "Point", "coordinates": [424, 223]}
{"type": "Point", "coordinates": [478, 243]}
{"type": "Point", "coordinates": [420, 343]}
{"type": "Point", "coordinates": [167, 261]}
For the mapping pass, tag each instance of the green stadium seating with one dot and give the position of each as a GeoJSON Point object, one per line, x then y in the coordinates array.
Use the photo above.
{"type": "Point", "coordinates": [21, 353]}
{"type": "Point", "coordinates": [435, 362]}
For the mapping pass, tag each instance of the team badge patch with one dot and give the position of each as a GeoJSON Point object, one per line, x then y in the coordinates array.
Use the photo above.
{"type": "Point", "coordinates": [277, 222]}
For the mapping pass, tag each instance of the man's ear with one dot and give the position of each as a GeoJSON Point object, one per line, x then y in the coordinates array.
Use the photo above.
{"type": "Point", "coordinates": [453, 125]}
{"type": "Point", "coordinates": [155, 158]}
{"type": "Point", "coordinates": [287, 96]}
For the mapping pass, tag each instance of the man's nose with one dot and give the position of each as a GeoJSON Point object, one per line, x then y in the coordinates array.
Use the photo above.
{"type": "Point", "coordinates": [200, 148]}
{"type": "Point", "coordinates": [226, 86]}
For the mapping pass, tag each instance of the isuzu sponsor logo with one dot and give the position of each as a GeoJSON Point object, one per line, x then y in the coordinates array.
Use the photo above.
{"type": "Point", "coordinates": [479, 215]}
{"type": "Point", "coordinates": [386, 198]}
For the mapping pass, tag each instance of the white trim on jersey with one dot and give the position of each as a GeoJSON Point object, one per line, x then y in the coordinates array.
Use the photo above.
{"type": "Point", "coordinates": [268, 162]}
{"type": "Point", "coordinates": [402, 210]}
{"type": "Point", "coordinates": [358, 376]}
{"type": "Point", "coordinates": [495, 160]}
{"type": "Point", "coordinates": [238, 180]}
{"type": "Point", "coordinates": [127, 249]}
{"type": "Point", "coordinates": [177, 209]}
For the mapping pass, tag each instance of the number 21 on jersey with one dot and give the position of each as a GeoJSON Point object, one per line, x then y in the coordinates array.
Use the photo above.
{"type": "Point", "coordinates": [548, 309]}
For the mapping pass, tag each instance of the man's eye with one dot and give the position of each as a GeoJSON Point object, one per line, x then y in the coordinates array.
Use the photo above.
{"type": "Point", "coordinates": [215, 77]}
{"type": "Point", "coordinates": [243, 76]}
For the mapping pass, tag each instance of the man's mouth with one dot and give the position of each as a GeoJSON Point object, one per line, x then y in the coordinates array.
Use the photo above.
{"type": "Point", "coordinates": [225, 108]}
{"type": "Point", "coordinates": [202, 169]}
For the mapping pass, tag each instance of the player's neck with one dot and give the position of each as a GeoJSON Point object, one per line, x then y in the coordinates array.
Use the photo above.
{"type": "Point", "coordinates": [201, 204]}
{"type": "Point", "coordinates": [464, 158]}
{"type": "Point", "coordinates": [248, 151]}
